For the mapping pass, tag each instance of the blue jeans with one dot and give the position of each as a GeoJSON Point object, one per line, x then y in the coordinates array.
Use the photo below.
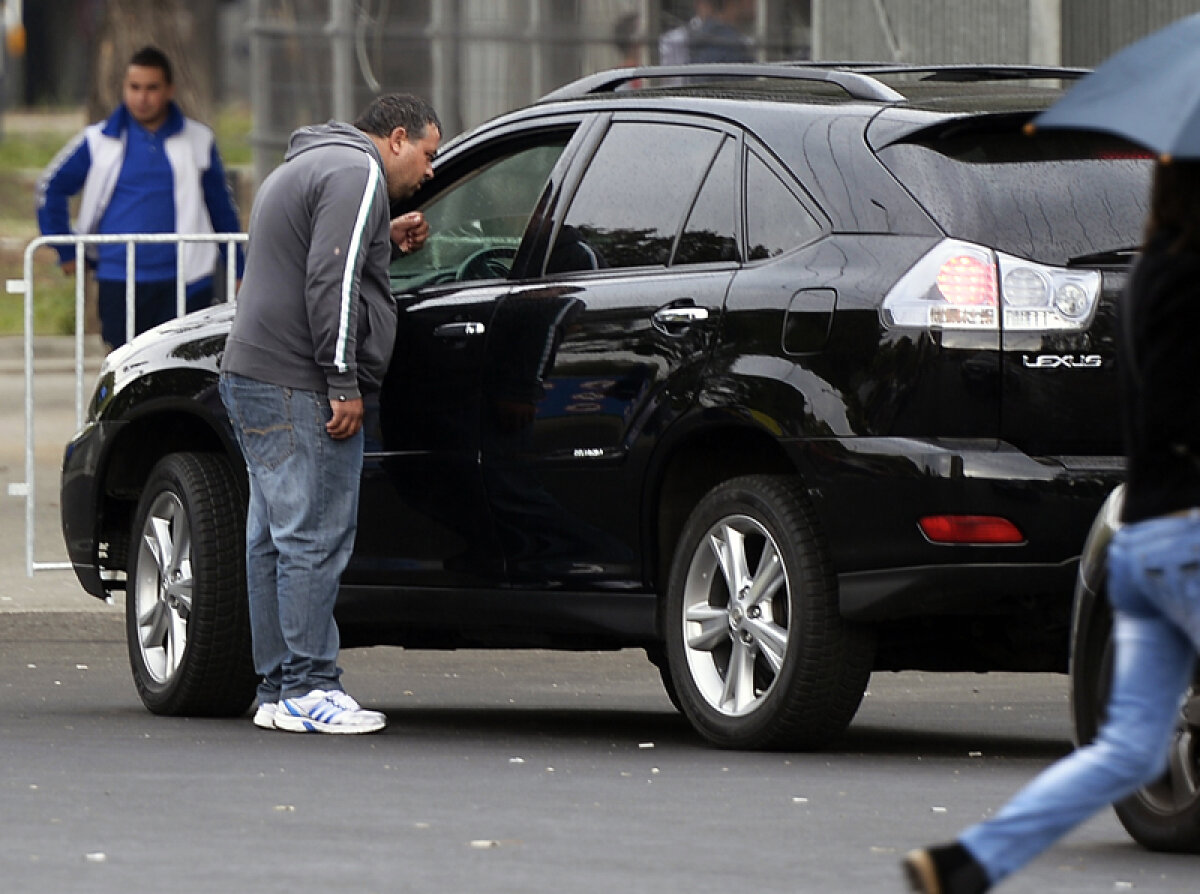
{"type": "Point", "coordinates": [1154, 588]}
{"type": "Point", "coordinates": [299, 530]}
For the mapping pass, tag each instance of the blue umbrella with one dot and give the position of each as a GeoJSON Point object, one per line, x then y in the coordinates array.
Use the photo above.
{"type": "Point", "coordinates": [1147, 93]}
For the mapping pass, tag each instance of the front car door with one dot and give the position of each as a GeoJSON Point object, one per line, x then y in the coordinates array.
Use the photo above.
{"type": "Point", "coordinates": [424, 520]}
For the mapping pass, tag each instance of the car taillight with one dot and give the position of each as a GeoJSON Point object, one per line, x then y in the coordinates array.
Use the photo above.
{"type": "Point", "coordinates": [958, 285]}
{"type": "Point", "coordinates": [964, 279]}
{"type": "Point", "coordinates": [976, 530]}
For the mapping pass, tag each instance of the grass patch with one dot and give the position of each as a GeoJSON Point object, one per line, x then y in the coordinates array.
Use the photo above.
{"type": "Point", "coordinates": [29, 150]}
{"type": "Point", "coordinates": [53, 307]}
{"type": "Point", "coordinates": [232, 127]}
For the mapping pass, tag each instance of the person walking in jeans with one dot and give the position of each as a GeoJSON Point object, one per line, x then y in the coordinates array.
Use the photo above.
{"type": "Point", "coordinates": [314, 329]}
{"type": "Point", "coordinates": [1153, 565]}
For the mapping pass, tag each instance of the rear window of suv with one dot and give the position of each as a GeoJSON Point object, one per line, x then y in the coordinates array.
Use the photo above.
{"type": "Point", "coordinates": [1051, 197]}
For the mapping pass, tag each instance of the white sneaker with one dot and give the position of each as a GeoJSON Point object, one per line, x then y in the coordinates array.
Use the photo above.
{"type": "Point", "coordinates": [264, 715]}
{"type": "Point", "coordinates": [331, 711]}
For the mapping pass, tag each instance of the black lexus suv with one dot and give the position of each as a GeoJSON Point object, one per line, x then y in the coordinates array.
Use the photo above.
{"type": "Point", "coordinates": [783, 373]}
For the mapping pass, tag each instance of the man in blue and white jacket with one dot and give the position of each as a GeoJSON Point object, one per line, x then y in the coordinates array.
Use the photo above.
{"type": "Point", "coordinates": [146, 169]}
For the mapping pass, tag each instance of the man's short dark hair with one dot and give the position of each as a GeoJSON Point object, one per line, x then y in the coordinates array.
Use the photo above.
{"type": "Point", "coordinates": [386, 113]}
{"type": "Point", "coordinates": [153, 57]}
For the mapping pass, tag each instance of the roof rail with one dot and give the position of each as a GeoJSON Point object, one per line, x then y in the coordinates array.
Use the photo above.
{"type": "Point", "coordinates": [856, 85]}
{"type": "Point", "coordinates": [973, 71]}
{"type": "Point", "coordinates": [856, 78]}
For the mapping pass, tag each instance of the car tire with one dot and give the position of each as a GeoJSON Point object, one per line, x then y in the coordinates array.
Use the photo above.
{"type": "Point", "coordinates": [186, 614]}
{"type": "Point", "coordinates": [1165, 815]}
{"type": "Point", "coordinates": [758, 652]}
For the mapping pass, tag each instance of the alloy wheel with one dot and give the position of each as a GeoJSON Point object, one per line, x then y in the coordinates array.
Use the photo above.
{"type": "Point", "coordinates": [736, 615]}
{"type": "Point", "coordinates": [1179, 787]}
{"type": "Point", "coordinates": [162, 590]}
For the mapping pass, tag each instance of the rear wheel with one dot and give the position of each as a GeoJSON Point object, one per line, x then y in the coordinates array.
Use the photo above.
{"type": "Point", "coordinates": [758, 653]}
{"type": "Point", "coordinates": [1165, 815]}
{"type": "Point", "coordinates": [186, 615]}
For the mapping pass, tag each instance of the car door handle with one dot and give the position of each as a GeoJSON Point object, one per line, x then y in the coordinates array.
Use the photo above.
{"type": "Point", "coordinates": [681, 315]}
{"type": "Point", "coordinates": [673, 319]}
{"type": "Point", "coordinates": [460, 330]}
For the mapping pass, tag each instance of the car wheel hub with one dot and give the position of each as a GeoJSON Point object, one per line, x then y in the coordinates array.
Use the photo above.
{"type": "Point", "coordinates": [1179, 787]}
{"type": "Point", "coordinates": [162, 587]}
{"type": "Point", "coordinates": [736, 615]}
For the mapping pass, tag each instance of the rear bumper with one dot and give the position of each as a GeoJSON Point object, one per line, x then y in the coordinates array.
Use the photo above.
{"type": "Point", "coordinates": [962, 589]}
{"type": "Point", "coordinates": [871, 493]}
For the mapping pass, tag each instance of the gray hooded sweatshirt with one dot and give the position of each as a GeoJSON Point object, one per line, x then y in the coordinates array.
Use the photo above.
{"type": "Point", "coordinates": [315, 310]}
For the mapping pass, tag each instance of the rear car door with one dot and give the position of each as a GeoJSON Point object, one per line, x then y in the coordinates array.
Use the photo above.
{"type": "Point", "coordinates": [423, 517]}
{"type": "Point", "coordinates": [587, 363]}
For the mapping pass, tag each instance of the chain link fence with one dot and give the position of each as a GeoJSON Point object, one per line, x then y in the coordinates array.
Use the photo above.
{"type": "Point", "coordinates": [312, 60]}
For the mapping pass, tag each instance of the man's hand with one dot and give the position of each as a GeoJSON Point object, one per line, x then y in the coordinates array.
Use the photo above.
{"type": "Point", "coordinates": [347, 418]}
{"type": "Point", "coordinates": [409, 231]}
{"type": "Point", "coordinates": [68, 267]}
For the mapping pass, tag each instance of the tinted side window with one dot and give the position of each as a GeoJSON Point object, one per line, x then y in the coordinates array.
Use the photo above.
{"type": "Point", "coordinates": [631, 203]}
{"type": "Point", "coordinates": [476, 223]}
{"type": "Point", "coordinates": [775, 220]}
{"type": "Point", "coordinates": [711, 230]}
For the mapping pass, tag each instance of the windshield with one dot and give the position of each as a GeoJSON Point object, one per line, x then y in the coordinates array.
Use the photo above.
{"type": "Point", "coordinates": [1051, 197]}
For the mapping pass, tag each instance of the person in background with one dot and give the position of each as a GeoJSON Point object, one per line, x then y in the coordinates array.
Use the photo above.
{"type": "Point", "coordinates": [314, 329]}
{"type": "Point", "coordinates": [626, 33]}
{"type": "Point", "coordinates": [712, 35]}
{"type": "Point", "coordinates": [146, 169]}
{"type": "Point", "coordinates": [1153, 565]}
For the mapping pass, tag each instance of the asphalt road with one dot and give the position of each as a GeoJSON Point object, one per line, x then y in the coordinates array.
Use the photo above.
{"type": "Point", "coordinates": [509, 772]}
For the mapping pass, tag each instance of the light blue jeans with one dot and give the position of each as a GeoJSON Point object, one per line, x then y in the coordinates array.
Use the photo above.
{"type": "Point", "coordinates": [300, 530]}
{"type": "Point", "coordinates": [1154, 588]}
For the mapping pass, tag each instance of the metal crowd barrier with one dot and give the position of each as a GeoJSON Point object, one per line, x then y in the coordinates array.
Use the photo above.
{"type": "Point", "coordinates": [24, 287]}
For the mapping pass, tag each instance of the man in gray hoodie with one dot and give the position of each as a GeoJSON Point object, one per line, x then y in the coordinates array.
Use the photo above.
{"type": "Point", "coordinates": [314, 328]}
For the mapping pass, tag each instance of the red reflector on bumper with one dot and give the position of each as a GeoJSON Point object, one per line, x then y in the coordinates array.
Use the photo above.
{"type": "Point", "coordinates": [971, 529]}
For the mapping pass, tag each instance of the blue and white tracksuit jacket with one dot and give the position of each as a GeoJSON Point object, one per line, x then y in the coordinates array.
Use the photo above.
{"type": "Point", "coordinates": [135, 181]}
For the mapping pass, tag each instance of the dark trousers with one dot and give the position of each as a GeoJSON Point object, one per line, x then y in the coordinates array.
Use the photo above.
{"type": "Point", "coordinates": [154, 303]}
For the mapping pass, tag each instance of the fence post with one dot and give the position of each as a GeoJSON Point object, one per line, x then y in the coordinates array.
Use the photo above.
{"type": "Point", "coordinates": [24, 286]}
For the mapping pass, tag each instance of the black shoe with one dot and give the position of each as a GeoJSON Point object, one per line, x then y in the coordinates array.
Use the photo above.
{"type": "Point", "coordinates": [947, 869]}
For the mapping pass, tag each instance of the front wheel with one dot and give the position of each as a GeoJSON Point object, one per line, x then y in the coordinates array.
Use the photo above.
{"type": "Point", "coordinates": [1164, 815]}
{"type": "Point", "coordinates": [758, 652]}
{"type": "Point", "coordinates": [186, 615]}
